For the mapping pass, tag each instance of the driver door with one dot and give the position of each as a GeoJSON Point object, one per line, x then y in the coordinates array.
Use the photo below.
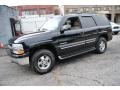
{"type": "Point", "coordinates": [71, 40]}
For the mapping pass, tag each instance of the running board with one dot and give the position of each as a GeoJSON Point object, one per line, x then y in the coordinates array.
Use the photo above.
{"type": "Point", "coordinates": [76, 54]}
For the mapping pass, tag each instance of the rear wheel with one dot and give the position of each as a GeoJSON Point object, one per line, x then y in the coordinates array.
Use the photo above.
{"type": "Point", "coordinates": [43, 61]}
{"type": "Point", "coordinates": [101, 45]}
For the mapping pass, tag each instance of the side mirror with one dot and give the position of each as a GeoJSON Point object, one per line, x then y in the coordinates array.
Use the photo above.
{"type": "Point", "coordinates": [65, 27]}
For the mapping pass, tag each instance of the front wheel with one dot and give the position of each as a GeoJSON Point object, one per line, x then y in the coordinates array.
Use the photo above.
{"type": "Point", "coordinates": [43, 61]}
{"type": "Point", "coordinates": [101, 45]}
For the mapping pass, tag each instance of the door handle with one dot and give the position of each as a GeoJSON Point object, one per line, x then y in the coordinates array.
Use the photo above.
{"type": "Point", "coordinates": [81, 33]}
{"type": "Point", "coordinates": [63, 43]}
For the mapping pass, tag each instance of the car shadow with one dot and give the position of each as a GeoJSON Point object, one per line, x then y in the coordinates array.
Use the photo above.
{"type": "Point", "coordinates": [75, 59]}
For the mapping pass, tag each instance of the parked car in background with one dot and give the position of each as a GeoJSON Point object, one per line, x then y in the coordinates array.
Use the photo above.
{"type": "Point", "coordinates": [115, 28]}
{"type": "Point", "coordinates": [59, 38]}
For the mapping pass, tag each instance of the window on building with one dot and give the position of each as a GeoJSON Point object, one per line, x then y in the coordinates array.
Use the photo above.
{"type": "Point", "coordinates": [70, 10]}
{"type": "Point", "coordinates": [104, 8]}
{"type": "Point", "coordinates": [29, 12]}
{"type": "Point", "coordinates": [73, 10]}
{"type": "Point", "coordinates": [23, 13]}
{"type": "Point", "coordinates": [42, 11]}
{"type": "Point", "coordinates": [117, 8]}
{"type": "Point", "coordinates": [88, 21]}
{"type": "Point", "coordinates": [93, 9]}
{"type": "Point", "coordinates": [109, 8]}
{"type": "Point", "coordinates": [67, 11]}
{"type": "Point", "coordinates": [84, 9]}
{"type": "Point", "coordinates": [87, 9]}
{"type": "Point", "coordinates": [98, 8]}
{"type": "Point", "coordinates": [81, 9]}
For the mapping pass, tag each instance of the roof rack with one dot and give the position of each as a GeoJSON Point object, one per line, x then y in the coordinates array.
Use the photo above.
{"type": "Point", "coordinates": [82, 13]}
{"type": "Point", "coordinates": [87, 13]}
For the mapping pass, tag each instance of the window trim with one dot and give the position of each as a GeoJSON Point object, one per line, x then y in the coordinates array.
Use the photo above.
{"type": "Point", "coordinates": [42, 9]}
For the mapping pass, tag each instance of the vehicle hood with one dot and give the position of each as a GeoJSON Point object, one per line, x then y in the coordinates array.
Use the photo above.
{"type": "Point", "coordinates": [114, 24]}
{"type": "Point", "coordinates": [31, 38]}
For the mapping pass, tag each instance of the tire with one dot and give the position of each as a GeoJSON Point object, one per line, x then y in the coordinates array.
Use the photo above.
{"type": "Point", "coordinates": [116, 33]}
{"type": "Point", "coordinates": [42, 61]}
{"type": "Point", "coordinates": [101, 45]}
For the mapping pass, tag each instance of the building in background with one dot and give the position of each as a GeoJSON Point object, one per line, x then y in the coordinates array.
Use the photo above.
{"type": "Point", "coordinates": [111, 11]}
{"type": "Point", "coordinates": [33, 23]}
{"type": "Point", "coordinates": [25, 10]}
{"type": "Point", "coordinates": [8, 17]}
{"type": "Point", "coordinates": [32, 17]}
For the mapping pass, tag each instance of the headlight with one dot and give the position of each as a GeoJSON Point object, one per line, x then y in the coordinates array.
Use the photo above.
{"type": "Point", "coordinates": [18, 48]}
{"type": "Point", "coordinates": [116, 27]}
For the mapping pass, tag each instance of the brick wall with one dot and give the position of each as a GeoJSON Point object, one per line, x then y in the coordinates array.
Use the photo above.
{"type": "Point", "coordinates": [50, 9]}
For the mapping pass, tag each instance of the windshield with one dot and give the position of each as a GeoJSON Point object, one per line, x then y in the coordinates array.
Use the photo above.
{"type": "Point", "coordinates": [51, 24]}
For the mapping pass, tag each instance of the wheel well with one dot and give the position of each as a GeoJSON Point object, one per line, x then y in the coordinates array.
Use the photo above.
{"type": "Point", "coordinates": [105, 36]}
{"type": "Point", "coordinates": [46, 46]}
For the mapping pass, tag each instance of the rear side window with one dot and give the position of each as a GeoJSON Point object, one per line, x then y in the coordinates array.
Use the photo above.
{"type": "Point", "coordinates": [101, 20]}
{"type": "Point", "coordinates": [88, 21]}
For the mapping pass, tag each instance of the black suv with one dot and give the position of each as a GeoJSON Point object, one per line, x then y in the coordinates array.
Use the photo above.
{"type": "Point", "coordinates": [61, 37]}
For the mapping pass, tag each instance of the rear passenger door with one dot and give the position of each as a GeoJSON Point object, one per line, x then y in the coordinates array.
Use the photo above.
{"type": "Point", "coordinates": [91, 31]}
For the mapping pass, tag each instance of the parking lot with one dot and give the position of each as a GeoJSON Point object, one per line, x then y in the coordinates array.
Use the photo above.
{"type": "Point", "coordinates": [88, 69]}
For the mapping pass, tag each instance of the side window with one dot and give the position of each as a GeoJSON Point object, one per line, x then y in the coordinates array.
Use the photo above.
{"type": "Point", "coordinates": [72, 23]}
{"type": "Point", "coordinates": [88, 21]}
{"type": "Point", "coordinates": [101, 20]}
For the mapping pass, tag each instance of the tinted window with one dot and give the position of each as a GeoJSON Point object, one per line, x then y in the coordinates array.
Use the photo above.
{"type": "Point", "coordinates": [101, 20]}
{"type": "Point", "coordinates": [88, 21]}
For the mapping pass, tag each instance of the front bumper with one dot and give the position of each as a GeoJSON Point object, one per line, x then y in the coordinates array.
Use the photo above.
{"type": "Point", "coordinates": [116, 30]}
{"type": "Point", "coordinates": [18, 59]}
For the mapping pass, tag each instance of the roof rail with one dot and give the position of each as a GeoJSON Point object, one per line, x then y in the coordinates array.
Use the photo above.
{"type": "Point", "coordinates": [87, 13]}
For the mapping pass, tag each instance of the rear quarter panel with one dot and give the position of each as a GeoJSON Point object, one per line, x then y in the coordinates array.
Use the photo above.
{"type": "Point", "coordinates": [104, 26]}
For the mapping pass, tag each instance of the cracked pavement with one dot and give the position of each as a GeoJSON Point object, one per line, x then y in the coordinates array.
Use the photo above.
{"type": "Point", "coordinates": [90, 69]}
